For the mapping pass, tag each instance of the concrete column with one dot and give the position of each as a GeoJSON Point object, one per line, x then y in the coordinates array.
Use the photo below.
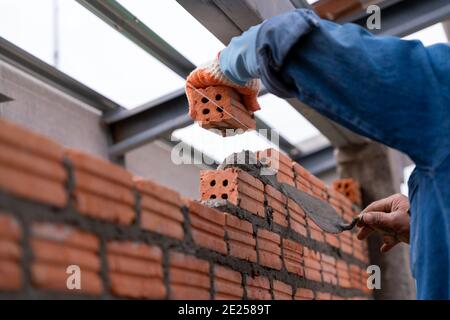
{"type": "Point", "coordinates": [379, 171]}
{"type": "Point", "coordinates": [446, 25]}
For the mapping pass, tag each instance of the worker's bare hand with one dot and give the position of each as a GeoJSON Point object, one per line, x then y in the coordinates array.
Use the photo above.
{"type": "Point", "coordinates": [210, 74]}
{"type": "Point", "coordinates": [390, 217]}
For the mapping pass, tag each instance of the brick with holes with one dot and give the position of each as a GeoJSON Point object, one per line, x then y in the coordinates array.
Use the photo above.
{"type": "Point", "coordinates": [189, 277]}
{"type": "Point", "coordinates": [280, 163]}
{"type": "Point", "coordinates": [258, 288]}
{"type": "Point", "coordinates": [277, 203]}
{"type": "Point", "coordinates": [234, 185]}
{"type": "Point", "coordinates": [349, 188]}
{"type": "Point", "coordinates": [329, 273]}
{"type": "Point", "coordinates": [220, 108]}
{"type": "Point", "coordinates": [10, 253]}
{"type": "Point", "coordinates": [304, 294]}
{"type": "Point", "coordinates": [281, 291]}
{"type": "Point", "coordinates": [207, 226]}
{"type": "Point", "coordinates": [297, 218]}
{"type": "Point", "coordinates": [241, 242]}
{"type": "Point", "coordinates": [135, 270]}
{"type": "Point", "coordinates": [343, 273]}
{"type": "Point", "coordinates": [227, 284]}
{"type": "Point", "coordinates": [312, 264]}
{"type": "Point", "coordinates": [269, 249]}
{"type": "Point", "coordinates": [102, 190]}
{"type": "Point", "coordinates": [55, 247]}
{"type": "Point", "coordinates": [160, 208]}
{"type": "Point", "coordinates": [293, 256]}
{"type": "Point", "coordinates": [31, 166]}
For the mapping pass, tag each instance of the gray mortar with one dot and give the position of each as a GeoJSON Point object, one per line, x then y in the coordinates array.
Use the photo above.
{"type": "Point", "coordinates": [28, 212]}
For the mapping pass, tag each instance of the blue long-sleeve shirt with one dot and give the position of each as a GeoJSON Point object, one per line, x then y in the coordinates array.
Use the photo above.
{"type": "Point", "coordinates": [393, 91]}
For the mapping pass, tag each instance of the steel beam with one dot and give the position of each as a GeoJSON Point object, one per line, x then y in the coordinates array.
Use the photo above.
{"type": "Point", "coordinates": [319, 161]}
{"type": "Point", "coordinates": [4, 98]}
{"type": "Point", "coordinates": [226, 19]}
{"type": "Point", "coordinates": [405, 17]}
{"type": "Point", "coordinates": [446, 25]}
{"type": "Point", "coordinates": [131, 27]}
{"type": "Point", "coordinates": [30, 64]}
{"type": "Point", "coordinates": [133, 128]}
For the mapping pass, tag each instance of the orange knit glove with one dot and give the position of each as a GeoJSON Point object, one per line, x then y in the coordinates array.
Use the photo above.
{"type": "Point", "coordinates": [210, 75]}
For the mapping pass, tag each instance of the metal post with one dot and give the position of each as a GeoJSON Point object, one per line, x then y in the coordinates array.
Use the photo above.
{"type": "Point", "coordinates": [446, 25]}
{"type": "Point", "coordinates": [379, 173]}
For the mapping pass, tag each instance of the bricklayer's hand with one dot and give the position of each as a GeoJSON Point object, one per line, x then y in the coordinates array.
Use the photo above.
{"type": "Point", "coordinates": [211, 74]}
{"type": "Point", "coordinates": [390, 217]}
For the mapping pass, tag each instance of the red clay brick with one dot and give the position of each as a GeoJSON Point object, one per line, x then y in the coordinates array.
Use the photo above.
{"type": "Point", "coordinates": [10, 253]}
{"type": "Point", "coordinates": [207, 226]}
{"type": "Point", "coordinates": [349, 188]}
{"type": "Point", "coordinates": [103, 209]}
{"type": "Point", "coordinates": [312, 264]}
{"type": "Point", "coordinates": [241, 242]}
{"type": "Point", "coordinates": [99, 167]}
{"type": "Point", "coordinates": [281, 290]}
{"type": "Point", "coordinates": [315, 231]}
{"type": "Point", "coordinates": [234, 185]}
{"type": "Point", "coordinates": [24, 139]}
{"type": "Point", "coordinates": [343, 274]}
{"type": "Point", "coordinates": [57, 253]}
{"type": "Point", "coordinates": [304, 294]}
{"type": "Point", "coordinates": [32, 187]}
{"type": "Point", "coordinates": [280, 163]}
{"type": "Point", "coordinates": [10, 275]}
{"type": "Point", "coordinates": [220, 107]}
{"type": "Point", "coordinates": [135, 270]}
{"type": "Point", "coordinates": [258, 288]}
{"type": "Point", "coordinates": [102, 190]}
{"type": "Point", "coordinates": [160, 209]}
{"type": "Point", "coordinates": [332, 240]}
{"type": "Point", "coordinates": [189, 277]}
{"type": "Point", "coordinates": [55, 247]}
{"type": "Point", "coordinates": [9, 227]}
{"type": "Point", "coordinates": [227, 284]}
{"type": "Point", "coordinates": [269, 249]}
{"type": "Point", "coordinates": [277, 201]}
{"type": "Point", "coordinates": [54, 277]}
{"type": "Point", "coordinates": [355, 276]}
{"type": "Point", "coordinates": [293, 256]}
{"type": "Point", "coordinates": [65, 234]}
{"type": "Point", "coordinates": [323, 296]}
{"type": "Point", "coordinates": [24, 160]}
{"type": "Point", "coordinates": [297, 218]}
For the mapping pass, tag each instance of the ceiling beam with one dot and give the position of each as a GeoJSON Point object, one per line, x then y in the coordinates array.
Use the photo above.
{"type": "Point", "coordinates": [4, 98]}
{"type": "Point", "coordinates": [133, 128]}
{"type": "Point", "coordinates": [123, 21]}
{"type": "Point", "coordinates": [405, 17]}
{"type": "Point", "coordinates": [28, 63]}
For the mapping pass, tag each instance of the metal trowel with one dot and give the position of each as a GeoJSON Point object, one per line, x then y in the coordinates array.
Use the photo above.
{"type": "Point", "coordinates": [319, 211]}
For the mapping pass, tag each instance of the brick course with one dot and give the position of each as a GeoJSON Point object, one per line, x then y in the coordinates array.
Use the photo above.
{"type": "Point", "coordinates": [133, 238]}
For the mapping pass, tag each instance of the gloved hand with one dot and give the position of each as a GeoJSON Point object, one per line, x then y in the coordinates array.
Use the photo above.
{"type": "Point", "coordinates": [234, 67]}
{"type": "Point", "coordinates": [388, 216]}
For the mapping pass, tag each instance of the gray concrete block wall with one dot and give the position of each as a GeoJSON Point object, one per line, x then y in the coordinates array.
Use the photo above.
{"type": "Point", "coordinates": [44, 109]}
{"type": "Point", "coordinates": [74, 124]}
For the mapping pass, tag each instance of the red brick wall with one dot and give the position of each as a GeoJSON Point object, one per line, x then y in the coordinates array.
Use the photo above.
{"type": "Point", "coordinates": [133, 238]}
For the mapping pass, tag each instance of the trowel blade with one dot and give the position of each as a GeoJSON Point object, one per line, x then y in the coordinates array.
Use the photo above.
{"type": "Point", "coordinates": [319, 211]}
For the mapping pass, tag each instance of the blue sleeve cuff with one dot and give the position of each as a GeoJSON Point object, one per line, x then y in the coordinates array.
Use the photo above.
{"type": "Point", "coordinates": [238, 59]}
{"type": "Point", "coordinates": [275, 38]}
